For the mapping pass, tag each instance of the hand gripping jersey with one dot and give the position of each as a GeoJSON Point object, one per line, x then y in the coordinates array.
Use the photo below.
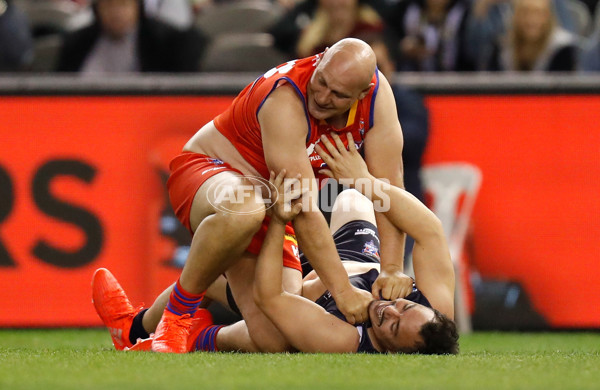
{"type": "Point", "coordinates": [365, 282]}
{"type": "Point", "coordinates": [239, 123]}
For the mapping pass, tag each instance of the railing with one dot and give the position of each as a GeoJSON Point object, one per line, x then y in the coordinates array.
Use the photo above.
{"type": "Point", "coordinates": [232, 83]}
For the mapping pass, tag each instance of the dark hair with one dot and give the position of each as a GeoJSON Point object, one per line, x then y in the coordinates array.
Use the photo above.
{"type": "Point", "coordinates": [440, 336]}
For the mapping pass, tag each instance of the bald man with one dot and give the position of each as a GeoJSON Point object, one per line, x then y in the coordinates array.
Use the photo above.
{"type": "Point", "coordinates": [273, 124]}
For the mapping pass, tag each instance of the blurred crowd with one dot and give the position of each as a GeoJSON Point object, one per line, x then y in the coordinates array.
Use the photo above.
{"type": "Point", "coordinates": [94, 37]}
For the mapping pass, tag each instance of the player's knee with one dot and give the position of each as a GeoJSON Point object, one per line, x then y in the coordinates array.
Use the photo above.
{"type": "Point", "coordinates": [270, 341]}
{"type": "Point", "coordinates": [351, 201]}
{"type": "Point", "coordinates": [272, 345]}
{"type": "Point", "coordinates": [263, 333]}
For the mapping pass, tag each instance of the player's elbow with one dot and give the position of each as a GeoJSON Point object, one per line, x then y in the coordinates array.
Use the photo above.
{"type": "Point", "coordinates": [259, 295]}
{"type": "Point", "coordinates": [262, 295]}
{"type": "Point", "coordinates": [431, 232]}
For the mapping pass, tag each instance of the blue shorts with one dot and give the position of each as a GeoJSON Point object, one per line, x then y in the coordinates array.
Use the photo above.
{"type": "Point", "coordinates": [355, 241]}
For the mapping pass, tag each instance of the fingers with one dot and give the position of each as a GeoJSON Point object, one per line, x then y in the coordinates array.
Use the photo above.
{"type": "Point", "coordinates": [326, 157]}
{"type": "Point", "coordinates": [376, 291]}
{"type": "Point", "coordinates": [351, 144]}
{"type": "Point", "coordinates": [327, 173]}
{"type": "Point", "coordinates": [333, 151]}
{"type": "Point", "coordinates": [382, 290]}
{"type": "Point", "coordinates": [351, 319]}
{"type": "Point", "coordinates": [338, 142]}
{"type": "Point", "coordinates": [361, 318]}
{"type": "Point", "coordinates": [387, 291]}
{"type": "Point", "coordinates": [277, 180]}
{"type": "Point", "coordinates": [290, 184]}
{"type": "Point", "coordinates": [297, 208]}
{"type": "Point", "coordinates": [390, 291]}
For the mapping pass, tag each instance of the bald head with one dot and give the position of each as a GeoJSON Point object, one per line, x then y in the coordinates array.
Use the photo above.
{"type": "Point", "coordinates": [351, 59]}
{"type": "Point", "coordinates": [342, 76]}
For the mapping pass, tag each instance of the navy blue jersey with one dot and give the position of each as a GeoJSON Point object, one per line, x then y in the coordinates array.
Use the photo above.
{"type": "Point", "coordinates": [365, 282]}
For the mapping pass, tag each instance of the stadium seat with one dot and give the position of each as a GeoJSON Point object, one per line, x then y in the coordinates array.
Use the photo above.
{"type": "Point", "coordinates": [453, 188]}
{"type": "Point", "coordinates": [581, 16]}
{"type": "Point", "coordinates": [55, 17]}
{"type": "Point", "coordinates": [248, 16]}
{"type": "Point", "coordinates": [241, 53]}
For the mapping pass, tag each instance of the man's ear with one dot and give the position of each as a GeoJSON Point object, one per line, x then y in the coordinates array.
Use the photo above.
{"type": "Point", "coordinates": [365, 91]}
{"type": "Point", "coordinates": [321, 56]}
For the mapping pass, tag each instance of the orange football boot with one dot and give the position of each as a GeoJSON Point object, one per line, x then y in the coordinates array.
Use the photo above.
{"type": "Point", "coordinates": [172, 333]}
{"type": "Point", "coordinates": [143, 345]}
{"type": "Point", "coordinates": [201, 320]}
{"type": "Point", "coordinates": [113, 307]}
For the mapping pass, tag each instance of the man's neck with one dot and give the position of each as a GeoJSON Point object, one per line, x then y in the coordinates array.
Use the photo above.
{"type": "Point", "coordinates": [339, 121]}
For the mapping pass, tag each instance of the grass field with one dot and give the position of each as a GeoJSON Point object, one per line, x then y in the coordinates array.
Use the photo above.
{"type": "Point", "coordinates": [84, 359]}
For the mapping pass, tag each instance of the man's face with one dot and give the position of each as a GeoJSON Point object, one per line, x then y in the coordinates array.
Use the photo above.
{"type": "Point", "coordinates": [396, 324]}
{"type": "Point", "coordinates": [118, 17]}
{"type": "Point", "coordinates": [331, 93]}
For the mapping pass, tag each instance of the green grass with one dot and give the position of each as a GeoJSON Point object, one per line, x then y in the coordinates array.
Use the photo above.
{"type": "Point", "coordinates": [84, 359]}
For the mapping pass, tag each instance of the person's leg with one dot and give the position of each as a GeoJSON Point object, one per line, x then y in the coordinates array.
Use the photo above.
{"type": "Point", "coordinates": [235, 337]}
{"type": "Point", "coordinates": [351, 205]}
{"type": "Point", "coordinates": [224, 223]}
{"type": "Point", "coordinates": [128, 324]}
{"type": "Point", "coordinates": [223, 226]}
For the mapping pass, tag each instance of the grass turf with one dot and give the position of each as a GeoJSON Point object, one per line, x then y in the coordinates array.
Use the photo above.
{"type": "Point", "coordinates": [85, 359]}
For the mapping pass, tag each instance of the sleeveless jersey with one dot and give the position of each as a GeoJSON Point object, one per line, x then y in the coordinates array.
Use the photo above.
{"type": "Point", "coordinates": [365, 282]}
{"type": "Point", "coordinates": [239, 123]}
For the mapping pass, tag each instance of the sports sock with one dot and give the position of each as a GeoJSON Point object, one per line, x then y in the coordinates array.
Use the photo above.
{"type": "Point", "coordinates": [137, 330]}
{"type": "Point", "coordinates": [207, 339]}
{"type": "Point", "coordinates": [182, 302]}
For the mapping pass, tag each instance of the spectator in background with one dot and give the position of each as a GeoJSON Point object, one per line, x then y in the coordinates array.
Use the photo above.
{"type": "Point", "coordinates": [16, 43]}
{"type": "Point", "coordinates": [535, 41]}
{"type": "Point", "coordinates": [489, 21]}
{"type": "Point", "coordinates": [334, 20]}
{"type": "Point", "coordinates": [431, 33]}
{"type": "Point", "coordinates": [312, 25]}
{"type": "Point", "coordinates": [286, 32]}
{"type": "Point", "coordinates": [122, 39]}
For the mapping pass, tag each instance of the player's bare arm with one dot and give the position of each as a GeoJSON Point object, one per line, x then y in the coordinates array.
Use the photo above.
{"type": "Point", "coordinates": [315, 330]}
{"type": "Point", "coordinates": [434, 273]}
{"type": "Point", "coordinates": [284, 130]}
{"type": "Point", "coordinates": [383, 154]}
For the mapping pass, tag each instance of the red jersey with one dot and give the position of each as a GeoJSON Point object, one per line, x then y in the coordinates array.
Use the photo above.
{"type": "Point", "coordinates": [239, 123]}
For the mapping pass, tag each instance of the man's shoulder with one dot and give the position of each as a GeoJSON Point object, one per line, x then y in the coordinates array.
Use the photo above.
{"type": "Point", "coordinates": [285, 93]}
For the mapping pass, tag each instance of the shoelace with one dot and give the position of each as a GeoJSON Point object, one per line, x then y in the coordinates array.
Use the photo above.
{"type": "Point", "coordinates": [116, 299]}
{"type": "Point", "coordinates": [179, 327]}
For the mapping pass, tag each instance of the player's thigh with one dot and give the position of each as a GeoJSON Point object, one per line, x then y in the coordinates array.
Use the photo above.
{"type": "Point", "coordinates": [226, 192]}
{"type": "Point", "coordinates": [351, 205]}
